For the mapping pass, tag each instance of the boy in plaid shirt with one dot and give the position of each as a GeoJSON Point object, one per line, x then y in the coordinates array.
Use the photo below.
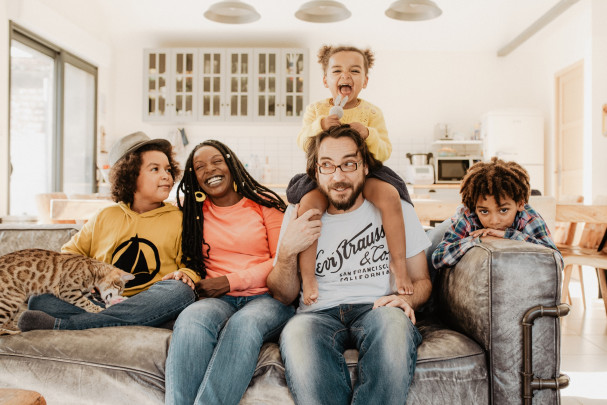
{"type": "Point", "coordinates": [495, 198]}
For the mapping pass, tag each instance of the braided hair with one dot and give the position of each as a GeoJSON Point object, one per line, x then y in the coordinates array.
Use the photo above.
{"type": "Point", "coordinates": [495, 178]}
{"type": "Point", "coordinates": [193, 245]}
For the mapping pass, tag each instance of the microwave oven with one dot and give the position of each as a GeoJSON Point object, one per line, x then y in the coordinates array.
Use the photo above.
{"type": "Point", "coordinates": [451, 169]}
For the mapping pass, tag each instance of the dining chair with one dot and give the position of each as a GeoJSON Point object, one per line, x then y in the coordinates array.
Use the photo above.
{"type": "Point", "coordinates": [585, 252]}
{"type": "Point", "coordinates": [564, 236]}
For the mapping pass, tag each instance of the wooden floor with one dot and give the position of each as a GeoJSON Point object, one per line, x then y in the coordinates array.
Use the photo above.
{"type": "Point", "coordinates": [584, 346]}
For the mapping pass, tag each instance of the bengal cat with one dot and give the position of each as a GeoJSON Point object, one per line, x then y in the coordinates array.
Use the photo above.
{"type": "Point", "coordinates": [70, 277]}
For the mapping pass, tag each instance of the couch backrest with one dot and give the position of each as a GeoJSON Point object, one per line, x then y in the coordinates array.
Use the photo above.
{"type": "Point", "coordinates": [50, 237]}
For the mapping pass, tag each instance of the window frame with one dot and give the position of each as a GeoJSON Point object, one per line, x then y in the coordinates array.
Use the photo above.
{"type": "Point", "coordinates": [61, 57]}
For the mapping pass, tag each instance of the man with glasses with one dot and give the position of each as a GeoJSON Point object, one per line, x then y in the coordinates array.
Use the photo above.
{"type": "Point", "coordinates": [357, 306]}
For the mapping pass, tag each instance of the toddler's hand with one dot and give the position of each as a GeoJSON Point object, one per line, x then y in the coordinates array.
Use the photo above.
{"type": "Point", "coordinates": [330, 121]}
{"type": "Point", "coordinates": [361, 129]}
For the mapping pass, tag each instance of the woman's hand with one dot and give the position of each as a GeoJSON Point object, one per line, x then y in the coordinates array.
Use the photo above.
{"type": "Point", "coordinates": [213, 287]}
{"type": "Point", "coordinates": [180, 275]}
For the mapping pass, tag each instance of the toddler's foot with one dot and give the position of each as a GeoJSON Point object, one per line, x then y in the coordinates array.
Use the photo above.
{"type": "Point", "coordinates": [310, 291]}
{"type": "Point", "coordinates": [404, 285]}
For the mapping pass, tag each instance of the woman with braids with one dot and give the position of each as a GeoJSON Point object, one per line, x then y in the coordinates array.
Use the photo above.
{"type": "Point", "coordinates": [231, 225]}
{"type": "Point", "coordinates": [495, 198]}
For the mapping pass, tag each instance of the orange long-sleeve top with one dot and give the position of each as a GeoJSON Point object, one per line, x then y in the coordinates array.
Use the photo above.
{"type": "Point", "coordinates": [243, 240]}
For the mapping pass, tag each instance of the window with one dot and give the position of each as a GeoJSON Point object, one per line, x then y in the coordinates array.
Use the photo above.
{"type": "Point", "coordinates": [53, 105]}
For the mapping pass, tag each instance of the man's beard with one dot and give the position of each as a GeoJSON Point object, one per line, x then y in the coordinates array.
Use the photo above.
{"type": "Point", "coordinates": [347, 203]}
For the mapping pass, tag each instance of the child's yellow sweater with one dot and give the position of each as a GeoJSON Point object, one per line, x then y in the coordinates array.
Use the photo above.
{"type": "Point", "coordinates": [366, 113]}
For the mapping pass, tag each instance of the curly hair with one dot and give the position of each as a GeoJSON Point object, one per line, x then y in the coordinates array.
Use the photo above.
{"type": "Point", "coordinates": [495, 178]}
{"type": "Point", "coordinates": [193, 245]}
{"type": "Point", "coordinates": [326, 51]}
{"type": "Point", "coordinates": [340, 131]}
{"type": "Point", "coordinates": [124, 173]}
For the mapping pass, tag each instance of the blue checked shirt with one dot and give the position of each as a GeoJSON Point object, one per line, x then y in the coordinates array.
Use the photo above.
{"type": "Point", "coordinates": [528, 226]}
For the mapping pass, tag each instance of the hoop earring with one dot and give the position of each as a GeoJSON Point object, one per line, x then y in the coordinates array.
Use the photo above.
{"type": "Point", "coordinates": [200, 196]}
{"type": "Point", "coordinates": [235, 188]}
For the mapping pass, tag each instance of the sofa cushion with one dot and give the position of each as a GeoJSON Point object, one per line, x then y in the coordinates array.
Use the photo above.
{"type": "Point", "coordinates": [447, 363]}
{"type": "Point", "coordinates": [125, 365]}
{"type": "Point", "coordinates": [119, 365]}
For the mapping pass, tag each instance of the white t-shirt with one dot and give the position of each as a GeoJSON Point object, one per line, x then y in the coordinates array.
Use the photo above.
{"type": "Point", "coordinates": [352, 259]}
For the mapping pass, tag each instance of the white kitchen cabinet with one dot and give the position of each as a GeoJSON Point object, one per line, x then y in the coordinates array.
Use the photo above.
{"type": "Point", "coordinates": [281, 84]}
{"type": "Point", "coordinates": [223, 84]}
{"type": "Point", "coordinates": [225, 77]}
{"type": "Point", "coordinates": [169, 85]}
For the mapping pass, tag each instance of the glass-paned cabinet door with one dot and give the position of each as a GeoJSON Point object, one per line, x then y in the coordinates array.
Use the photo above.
{"type": "Point", "coordinates": [267, 93]}
{"type": "Point", "coordinates": [156, 82]}
{"type": "Point", "coordinates": [239, 77]}
{"type": "Point", "coordinates": [211, 105]}
{"type": "Point", "coordinates": [294, 62]}
{"type": "Point", "coordinates": [183, 101]}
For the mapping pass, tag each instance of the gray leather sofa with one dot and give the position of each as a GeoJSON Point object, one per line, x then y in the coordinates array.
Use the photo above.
{"type": "Point", "coordinates": [472, 349]}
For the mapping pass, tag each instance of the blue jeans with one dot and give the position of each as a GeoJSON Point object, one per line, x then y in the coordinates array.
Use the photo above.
{"type": "Point", "coordinates": [160, 303]}
{"type": "Point", "coordinates": [215, 347]}
{"type": "Point", "coordinates": [312, 346]}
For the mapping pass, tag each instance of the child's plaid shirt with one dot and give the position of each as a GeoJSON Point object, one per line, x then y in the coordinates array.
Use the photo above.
{"type": "Point", "coordinates": [527, 226]}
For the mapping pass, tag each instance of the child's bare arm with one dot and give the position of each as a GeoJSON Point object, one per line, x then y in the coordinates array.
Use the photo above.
{"type": "Point", "coordinates": [307, 258]}
{"type": "Point", "coordinates": [386, 198]}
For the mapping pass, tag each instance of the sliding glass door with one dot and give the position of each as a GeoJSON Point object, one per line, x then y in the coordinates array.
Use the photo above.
{"type": "Point", "coordinates": [32, 106]}
{"type": "Point", "coordinates": [53, 104]}
{"type": "Point", "coordinates": [78, 155]}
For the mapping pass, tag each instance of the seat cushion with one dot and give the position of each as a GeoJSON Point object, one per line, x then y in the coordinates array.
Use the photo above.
{"type": "Point", "coordinates": [119, 365]}
{"type": "Point", "coordinates": [451, 368]}
{"type": "Point", "coordinates": [125, 365]}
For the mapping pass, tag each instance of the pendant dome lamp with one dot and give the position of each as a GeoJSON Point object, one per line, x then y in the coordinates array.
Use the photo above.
{"type": "Point", "coordinates": [413, 10]}
{"type": "Point", "coordinates": [232, 12]}
{"type": "Point", "coordinates": [323, 11]}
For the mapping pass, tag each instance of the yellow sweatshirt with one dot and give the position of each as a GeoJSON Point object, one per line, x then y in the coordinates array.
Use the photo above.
{"type": "Point", "coordinates": [366, 113]}
{"type": "Point", "coordinates": [147, 245]}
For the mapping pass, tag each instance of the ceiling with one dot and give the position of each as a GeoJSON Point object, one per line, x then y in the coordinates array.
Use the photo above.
{"type": "Point", "coordinates": [465, 25]}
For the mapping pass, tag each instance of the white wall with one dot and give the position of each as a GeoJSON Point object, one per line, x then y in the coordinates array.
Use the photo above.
{"type": "Point", "coordinates": [561, 44]}
{"type": "Point", "coordinates": [598, 152]}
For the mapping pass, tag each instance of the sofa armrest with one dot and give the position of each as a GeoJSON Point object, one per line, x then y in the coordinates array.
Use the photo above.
{"type": "Point", "coordinates": [486, 295]}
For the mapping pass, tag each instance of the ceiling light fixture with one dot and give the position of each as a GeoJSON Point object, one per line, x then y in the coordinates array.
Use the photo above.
{"type": "Point", "coordinates": [413, 10]}
{"type": "Point", "coordinates": [232, 12]}
{"type": "Point", "coordinates": [323, 12]}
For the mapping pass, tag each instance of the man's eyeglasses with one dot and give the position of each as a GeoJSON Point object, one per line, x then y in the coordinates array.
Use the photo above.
{"type": "Point", "coordinates": [328, 168]}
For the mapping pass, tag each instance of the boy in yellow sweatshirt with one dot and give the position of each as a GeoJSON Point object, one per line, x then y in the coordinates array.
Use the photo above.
{"type": "Point", "coordinates": [141, 235]}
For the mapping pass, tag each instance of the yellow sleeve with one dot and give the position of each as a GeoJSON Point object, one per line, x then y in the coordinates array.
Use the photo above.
{"type": "Point", "coordinates": [80, 243]}
{"type": "Point", "coordinates": [311, 125]}
{"type": "Point", "coordinates": [378, 142]}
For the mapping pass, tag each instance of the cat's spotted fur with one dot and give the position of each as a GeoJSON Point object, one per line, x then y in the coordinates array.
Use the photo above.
{"type": "Point", "coordinates": [70, 277]}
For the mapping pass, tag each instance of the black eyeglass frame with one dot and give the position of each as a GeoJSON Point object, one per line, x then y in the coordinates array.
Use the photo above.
{"type": "Point", "coordinates": [334, 167]}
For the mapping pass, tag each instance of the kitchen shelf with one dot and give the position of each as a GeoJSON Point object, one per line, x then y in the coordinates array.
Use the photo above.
{"type": "Point", "coordinates": [466, 142]}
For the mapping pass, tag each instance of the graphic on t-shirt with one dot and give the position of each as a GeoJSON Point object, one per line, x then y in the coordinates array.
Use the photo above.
{"type": "Point", "coordinates": [362, 256]}
{"type": "Point", "coordinates": [132, 259]}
